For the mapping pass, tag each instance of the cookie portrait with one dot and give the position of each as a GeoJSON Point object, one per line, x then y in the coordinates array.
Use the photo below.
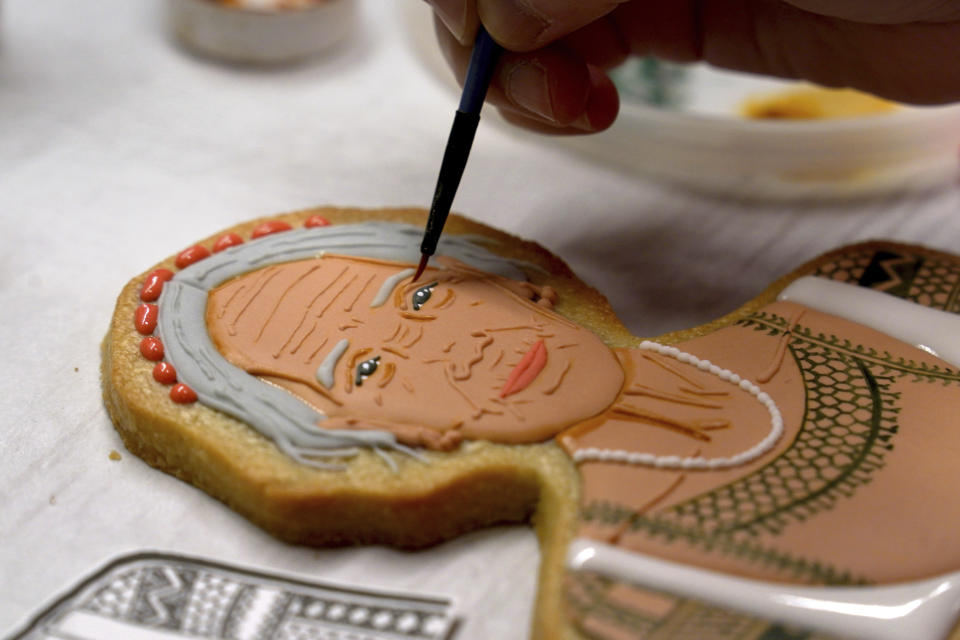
{"type": "Point", "coordinates": [291, 368]}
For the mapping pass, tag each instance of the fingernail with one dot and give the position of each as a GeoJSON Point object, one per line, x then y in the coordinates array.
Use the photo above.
{"type": "Point", "coordinates": [527, 87]}
{"type": "Point", "coordinates": [453, 13]}
{"type": "Point", "coordinates": [518, 24]}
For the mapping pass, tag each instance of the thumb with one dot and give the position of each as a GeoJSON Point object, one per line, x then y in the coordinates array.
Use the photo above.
{"type": "Point", "coordinates": [525, 25]}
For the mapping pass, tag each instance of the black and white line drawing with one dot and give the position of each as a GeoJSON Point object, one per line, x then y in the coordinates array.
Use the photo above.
{"type": "Point", "coordinates": [157, 596]}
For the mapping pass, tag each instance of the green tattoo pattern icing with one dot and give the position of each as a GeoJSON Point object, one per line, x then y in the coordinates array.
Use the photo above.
{"type": "Point", "coordinates": [827, 461]}
{"type": "Point", "coordinates": [927, 280]}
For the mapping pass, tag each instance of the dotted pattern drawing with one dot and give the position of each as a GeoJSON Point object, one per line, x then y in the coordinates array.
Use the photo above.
{"type": "Point", "coordinates": [930, 281]}
{"type": "Point", "coordinates": [172, 596]}
{"type": "Point", "coordinates": [849, 421]}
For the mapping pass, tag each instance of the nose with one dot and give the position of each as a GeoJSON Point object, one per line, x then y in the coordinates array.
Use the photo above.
{"type": "Point", "coordinates": [461, 368]}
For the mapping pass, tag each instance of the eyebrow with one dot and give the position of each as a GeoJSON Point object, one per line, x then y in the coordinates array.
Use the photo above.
{"type": "Point", "coordinates": [326, 369]}
{"type": "Point", "coordinates": [388, 286]}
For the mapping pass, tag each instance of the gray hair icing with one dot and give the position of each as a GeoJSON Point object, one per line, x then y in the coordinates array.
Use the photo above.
{"type": "Point", "coordinates": [288, 422]}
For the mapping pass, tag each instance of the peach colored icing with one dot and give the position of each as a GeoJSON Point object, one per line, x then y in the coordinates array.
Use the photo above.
{"type": "Point", "coordinates": [836, 509]}
{"type": "Point", "coordinates": [269, 409]}
{"type": "Point", "coordinates": [478, 358]}
{"type": "Point", "coordinates": [441, 369]}
{"type": "Point", "coordinates": [697, 429]}
{"type": "Point", "coordinates": [859, 489]}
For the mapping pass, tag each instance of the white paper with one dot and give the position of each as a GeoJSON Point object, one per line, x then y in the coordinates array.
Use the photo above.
{"type": "Point", "coordinates": [117, 149]}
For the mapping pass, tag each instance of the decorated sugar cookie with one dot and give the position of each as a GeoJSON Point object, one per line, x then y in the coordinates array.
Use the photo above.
{"type": "Point", "coordinates": [291, 368]}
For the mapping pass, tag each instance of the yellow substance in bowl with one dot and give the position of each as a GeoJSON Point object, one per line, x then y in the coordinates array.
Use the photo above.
{"type": "Point", "coordinates": [269, 5]}
{"type": "Point", "coordinates": [815, 103]}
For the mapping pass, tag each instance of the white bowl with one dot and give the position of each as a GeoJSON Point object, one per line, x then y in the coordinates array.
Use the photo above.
{"type": "Point", "coordinates": [260, 36]}
{"type": "Point", "coordinates": [705, 144]}
{"type": "Point", "coordinates": [907, 150]}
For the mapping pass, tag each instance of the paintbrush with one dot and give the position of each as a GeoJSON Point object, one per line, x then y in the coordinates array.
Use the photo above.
{"type": "Point", "coordinates": [482, 63]}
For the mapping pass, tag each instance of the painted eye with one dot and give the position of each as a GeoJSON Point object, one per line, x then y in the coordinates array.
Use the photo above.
{"type": "Point", "coordinates": [366, 369]}
{"type": "Point", "coordinates": [421, 295]}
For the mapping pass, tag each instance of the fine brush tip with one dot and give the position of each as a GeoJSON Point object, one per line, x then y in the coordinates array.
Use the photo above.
{"type": "Point", "coordinates": [424, 257]}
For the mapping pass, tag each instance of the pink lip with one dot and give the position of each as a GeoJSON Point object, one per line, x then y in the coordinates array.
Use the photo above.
{"type": "Point", "coordinates": [527, 370]}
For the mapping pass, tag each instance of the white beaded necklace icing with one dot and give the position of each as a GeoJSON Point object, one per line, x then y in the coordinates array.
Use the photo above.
{"type": "Point", "coordinates": [593, 454]}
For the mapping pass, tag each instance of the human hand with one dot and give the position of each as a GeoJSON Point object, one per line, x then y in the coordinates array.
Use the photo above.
{"type": "Point", "coordinates": [553, 76]}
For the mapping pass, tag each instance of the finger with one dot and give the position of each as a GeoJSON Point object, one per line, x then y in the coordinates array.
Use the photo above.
{"type": "Point", "coordinates": [552, 85]}
{"type": "Point", "coordinates": [910, 63]}
{"type": "Point", "coordinates": [599, 44]}
{"type": "Point", "coordinates": [883, 11]}
{"type": "Point", "coordinates": [535, 124]}
{"type": "Point", "coordinates": [525, 25]}
{"type": "Point", "coordinates": [598, 114]}
{"type": "Point", "coordinates": [668, 29]}
{"type": "Point", "coordinates": [459, 17]}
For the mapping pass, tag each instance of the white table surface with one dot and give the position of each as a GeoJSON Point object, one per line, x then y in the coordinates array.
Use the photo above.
{"type": "Point", "coordinates": [118, 149]}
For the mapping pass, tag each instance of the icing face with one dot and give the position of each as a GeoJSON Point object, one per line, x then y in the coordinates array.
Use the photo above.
{"type": "Point", "coordinates": [459, 354]}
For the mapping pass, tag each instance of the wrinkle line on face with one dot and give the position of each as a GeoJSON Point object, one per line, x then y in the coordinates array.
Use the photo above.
{"type": "Point", "coordinates": [552, 388]}
{"type": "Point", "coordinates": [370, 280]}
{"type": "Point", "coordinates": [449, 377]}
{"type": "Point", "coordinates": [396, 352]}
{"type": "Point", "coordinates": [317, 350]}
{"type": "Point", "coordinates": [415, 340]}
{"type": "Point", "coordinates": [277, 305]}
{"type": "Point", "coordinates": [306, 311]}
{"type": "Point", "coordinates": [416, 316]}
{"type": "Point", "coordinates": [388, 371]}
{"type": "Point", "coordinates": [264, 279]}
{"type": "Point", "coordinates": [395, 332]}
{"type": "Point", "coordinates": [337, 295]}
{"type": "Point", "coordinates": [449, 298]}
{"type": "Point", "coordinates": [276, 354]}
{"type": "Point", "coordinates": [229, 302]}
{"type": "Point", "coordinates": [510, 408]}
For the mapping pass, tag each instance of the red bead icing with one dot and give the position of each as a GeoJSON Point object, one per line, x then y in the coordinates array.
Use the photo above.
{"type": "Point", "coordinates": [164, 373]}
{"type": "Point", "coordinates": [316, 221]}
{"type": "Point", "coordinates": [226, 241]}
{"type": "Point", "coordinates": [153, 284]}
{"type": "Point", "coordinates": [193, 254]}
{"type": "Point", "coordinates": [151, 348]}
{"type": "Point", "coordinates": [273, 226]}
{"type": "Point", "coordinates": [182, 394]}
{"type": "Point", "coordinates": [145, 318]}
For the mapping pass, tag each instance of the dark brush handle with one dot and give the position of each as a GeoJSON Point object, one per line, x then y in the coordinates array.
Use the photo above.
{"type": "Point", "coordinates": [482, 63]}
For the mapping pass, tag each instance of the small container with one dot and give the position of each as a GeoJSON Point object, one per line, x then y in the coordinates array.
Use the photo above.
{"type": "Point", "coordinates": [910, 149]}
{"type": "Point", "coordinates": [262, 32]}
{"type": "Point", "coordinates": [706, 141]}
{"type": "Point", "coordinates": [686, 125]}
